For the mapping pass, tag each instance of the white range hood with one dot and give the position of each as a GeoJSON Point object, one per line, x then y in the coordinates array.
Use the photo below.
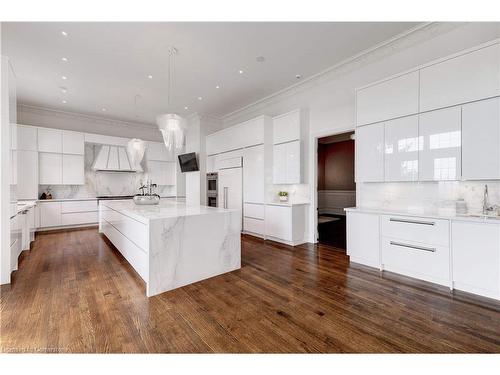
{"type": "Point", "coordinates": [114, 159]}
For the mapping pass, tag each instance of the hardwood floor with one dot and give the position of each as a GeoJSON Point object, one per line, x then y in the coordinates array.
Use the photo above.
{"type": "Point", "coordinates": [75, 293]}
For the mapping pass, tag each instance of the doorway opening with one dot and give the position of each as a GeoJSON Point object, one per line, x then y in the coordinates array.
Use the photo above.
{"type": "Point", "coordinates": [336, 187]}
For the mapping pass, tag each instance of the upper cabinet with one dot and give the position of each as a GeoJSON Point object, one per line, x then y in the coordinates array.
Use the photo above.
{"type": "Point", "coordinates": [246, 134]}
{"type": "Point", "coordinates": [439, 156]}
{"type": "Point", "coordinates": [49, 140]}
{"type": "Point", "coordinates": [392, 98]}
{"type": "Point", "coordinates": [481, 140]}
{"type": "Point", "coordinates": [253, 174]}
{"type": "Point", "coordinates": [27, 138]}
{"type": "Point", "coordinates": [401, 149]}
{"type": "Point", "coordinates": [286, 127]}
{"type": "Point", "coordinates": [465, 78]}
{"type": "Point", "coordinates": [158, 151]}
{"type": "Point", "coordinates": [370, 153]}
{"type": "Point", "coordinates": [73, 143]}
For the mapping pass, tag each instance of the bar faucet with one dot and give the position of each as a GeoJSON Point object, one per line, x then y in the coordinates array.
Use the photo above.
{"type": "Point", "coordinates": [486, 204]}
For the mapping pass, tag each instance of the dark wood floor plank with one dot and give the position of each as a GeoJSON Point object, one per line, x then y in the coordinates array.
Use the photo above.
{"type": "Point", "coordinates": [74, 292]}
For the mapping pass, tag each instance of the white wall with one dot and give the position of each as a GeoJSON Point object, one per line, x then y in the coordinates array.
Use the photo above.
{"type": "Point", "coordinates": [330, 97]}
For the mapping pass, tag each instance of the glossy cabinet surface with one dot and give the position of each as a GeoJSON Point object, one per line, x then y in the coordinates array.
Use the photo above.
{"type": "Point", "coordinates": [73, 143]}
{"type": "Point", "coordinates": [73, 170]}
{"type": "Point", "coordinates": [465, 78]}
{"type": "Point", "coordinates": [27, 187]}
{"type": "Point", "coordinates": [440, 135]}
{"type": "Point", "coordinates": [27, 138]}
{"type": "Point", "coordinates": [279, 164]}
{"type": "Point", "coordinates": [401, 149]}
{"type": "Point", "coordinates": [50, 214]}
{"type": "Point", "coordinates": [253, 174]}
{"type": "Point", "coordinates": [287, 164]}
{"type": "Point", "coordinates": [158, 151]}
{"type": "Point", "coordinates": [50, 168]}
{"type": "Point", "coordinates": [476, 258]}
{"type": "Point", "coordinates": [286, 127]}
{"type": "Point", "coordinates": [370, 153]}
{"type": "Point", "coordinates": [49, 140]}
{"type": "Point", "coordinates": [279, 222]}
{"type": "Point", "coordinates": [481, 140]}
{"type": "Point", "coordinates": [393, 98]}
{"type": "Point", "coordinates": [363, 237]}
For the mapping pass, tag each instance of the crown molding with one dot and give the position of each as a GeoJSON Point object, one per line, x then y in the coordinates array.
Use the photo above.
{"type": "Point", "coordinates": [416, 35]}
{"type": "Point", "coordinates": [80, 116]}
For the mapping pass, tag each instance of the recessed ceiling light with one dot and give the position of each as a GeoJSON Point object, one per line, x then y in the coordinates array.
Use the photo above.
{"type": "Point", "coordinates": [104, 109]}
{"type": "Point", "coordinates": [200, 98]}
{"type": "Point", "coordinates": [186, 107]}
{"type": "Point", "coordinates": [260, 58]}
{"type": "Point", "coordinates": [240, 71]}
{"type": "Point", "coordinates": [63, 101]}
{"type": "Point", "coordinates": [217, 87]}
{"type": "Point", "coordinates": [150, 76]}
{"type": "Point", "coordinates": [298, 76]}
{"type": "Point", "coordinates": [64, 90]}
{"type": "Point", "coordinates": [64, 33]}
{"type": "Point", "coordinates": [64, 77]}
{"type": "Point", "coordinates": [64, 59]}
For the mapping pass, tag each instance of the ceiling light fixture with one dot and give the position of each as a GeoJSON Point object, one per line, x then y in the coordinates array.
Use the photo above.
{"type": "Point", "coordinates": [170, 124]}
{"type": "Point", "coordinates": [217, 87]}
{"type": "Point", "coordinates": [298, 76]}
{"type": "Point", "coordinates": [150, 76]}
{"type": "Point", "coordinates": [64, 101]}
{"type": "Point", "coordinates": [200, 98]}
{"type": "Point", "coordinates": [240, 71]}
{"type": "Point", "coordinates": [104, 109]}
{"type": "Point", "coordinates": [64, 77]}
{"type": "Point", "coordinates": [64, 59]}
{"type": "Point", "coordinates": [260, 59]}
{"type": "Point", "coordinates": [64, 33]}
{"type": "Point", "coordinates": [186, 107]}
{"type": "Point", "coordinates": [64, 90]}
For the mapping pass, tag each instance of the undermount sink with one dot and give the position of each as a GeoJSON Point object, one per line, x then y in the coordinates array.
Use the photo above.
{"type": "Point", "coordinates": [146, 199]}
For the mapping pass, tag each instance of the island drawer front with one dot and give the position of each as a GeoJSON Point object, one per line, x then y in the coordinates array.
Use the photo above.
{"type": "Point", "coordinates": [255, 211]}
{"type": "Point", "coordinates": [76, 218]}
{"type": "Point", "coordinates": [426, 262]}
{"type": "Point", "coordinates": [423, 230]}
{"type": "Point", "coordinates": [130, 251]}
{"type": "Point", "coordinates": [135, 231]}
{"type": "Point", "coordinates": [78, 206]}
{"type": "Point", "coordinates": [253, 225]}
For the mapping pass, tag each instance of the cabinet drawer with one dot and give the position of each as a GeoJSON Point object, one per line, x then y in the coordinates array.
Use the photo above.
{"type": "Point", "coordinates": [76, 218]}
{"type": "Point", "coordinates": [426, 262]}
{"type": "Point", "coordinates": [50, 214]}
{"type": "Point", "coordinates": [422, 230]}
{"type": "Point", "coordinates": [253, 225]}
{"type": "Point", "coordinates": [78, 206]}
{"type": "Point", "coordinates": [255, 211]}
{"type": "Point", "coordinates": [135, 231]}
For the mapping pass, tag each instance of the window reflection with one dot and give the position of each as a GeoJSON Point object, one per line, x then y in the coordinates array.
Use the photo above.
{"type": "Point", "coordinates": [409, 167]}
{"type": "Point", "coordinates": [445, 140]}
{"type": "Point", "coordinates": [445, 168]}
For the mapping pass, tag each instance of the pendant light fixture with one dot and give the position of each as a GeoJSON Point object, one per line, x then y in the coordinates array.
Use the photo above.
{"type": "Point", "coordinates": [170, 124]}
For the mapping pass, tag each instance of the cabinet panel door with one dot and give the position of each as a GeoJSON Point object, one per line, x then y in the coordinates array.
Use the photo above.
{"type": "Point", "coordinates": [473, 76]}
{"type": "Point", "coordinates": [158, 151]}
{"type": "Point", "coordinates": [50, 214]}
{"type": "Point", "coordinates": [476, 257]}
{"type": "Point", "coordinates": [481, 140]}
{"type": "Point", "coordinates": [211, 164]}
{"type": "Point", "coordinates": [50, 168]}
{"type": "Point", "coordinates": [253, 174]}
{"type": "Point", "coordinates": [278, 222]}
{"type": "Point", "coordinates": [14, 167]}
{"type": "Point", "coordinates": [393, 98]}
{"type": "Point", "coordinates": [370, 153]}
{"type": "Point", "coordinates": [363, 238]}
{"type": "Point", "coordinates": [27, 138]}
{"type": "Point", "coordinates": [73, 143]}
{"type": "Point", "coordinates": [279, 164]}
{"type": "Point", "coordinates": [286, 128]}
{"type": "Point", "coordinates": [440, 155]}
{"type": "Point", "coordinates": [401, 149]}
{"type": "Point", "coordinates": [293, 163]}
{"type": "Point", "coordinates": [27, 187]}
{"type": "Point", "coordinates": [49, 140]}
{"type": "Point", "coordinates": [162, 172]}
{"type": "Point", "coordinates": [73, 170]}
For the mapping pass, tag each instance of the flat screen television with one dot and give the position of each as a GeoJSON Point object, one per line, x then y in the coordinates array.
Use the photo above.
{"type": "Point", "coordinates": [188, 162]}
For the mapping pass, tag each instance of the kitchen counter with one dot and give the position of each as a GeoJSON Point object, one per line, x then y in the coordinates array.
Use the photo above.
{"type": "Point", "coordinates": [67, 199]}
{"type": "Point", "coordinates": [287, 204]}
{"type": "Point", "coordinates": [173, 244]}
{"type": "Point", "coordinates": [447, 214]}
{"type": "Point", "coordinates": [25, 205]}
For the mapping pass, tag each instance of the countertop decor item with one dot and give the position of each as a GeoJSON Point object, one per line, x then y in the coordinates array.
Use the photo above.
{"type": "Point", "coordinates": [461, 206]}
{"type": "Point", "coordinates": [283, 196]}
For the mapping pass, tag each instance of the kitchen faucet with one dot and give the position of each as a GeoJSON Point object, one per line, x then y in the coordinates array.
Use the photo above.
{"type": "Point", "coordinates": [487, 208]}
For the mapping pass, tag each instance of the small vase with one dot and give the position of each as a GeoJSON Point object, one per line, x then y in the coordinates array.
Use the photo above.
{"type": "Point", "coordinates": [283, 198]}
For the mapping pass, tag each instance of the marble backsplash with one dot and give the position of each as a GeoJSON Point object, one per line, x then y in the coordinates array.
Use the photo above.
{"type": "Point", "coordinates": [103, 183]}
{"type": "Point", "coordinates": [426, 195]}
{"type": "Point", "coordinates": [296, 193]}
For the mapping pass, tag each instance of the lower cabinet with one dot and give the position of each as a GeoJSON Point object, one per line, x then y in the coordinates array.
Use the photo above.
{"type": "Point", "coordinates": [363, 238]}
{"type": "Point", "coordinates": [253, 219]}
{"type": "Point", "coordinates": [50, 214]}
{"type": "Point", "coordinates": [476, 258]}
{"type": "Point", "coordinates": [285, 224]}
{"type": "Point", "coordinates": [68, 213]}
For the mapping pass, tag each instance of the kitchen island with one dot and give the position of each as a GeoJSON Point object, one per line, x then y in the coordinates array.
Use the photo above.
{"type": "Point", "coordinates": [173, 244]}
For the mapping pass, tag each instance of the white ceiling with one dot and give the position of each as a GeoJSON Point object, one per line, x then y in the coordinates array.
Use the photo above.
{"type": "Point", "coordinates": [109, 63]}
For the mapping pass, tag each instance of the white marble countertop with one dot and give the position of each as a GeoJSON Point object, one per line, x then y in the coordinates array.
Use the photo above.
{"type": "Point", "coordinates": [66, 199]}
{"type": "Point", "coordinates": [447, 214]}
{"type": "Point", "coordinates": [25, 205]}
{"type": "Point", "coordinates": [286, 204]}
{"type": "Point", "coordinates": [167, 208]}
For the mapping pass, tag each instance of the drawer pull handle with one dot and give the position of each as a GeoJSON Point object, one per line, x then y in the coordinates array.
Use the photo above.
{"type": "Point", "coordinates": [412, 221]}
{"type": "Point", "coordinates": [430, 249]}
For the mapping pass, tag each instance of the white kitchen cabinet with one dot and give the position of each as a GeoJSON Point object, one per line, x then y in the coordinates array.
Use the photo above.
{"type": "Point", "coordinates": [13, 167]}
{"type": "Point", "coordinates": [253, 175]}
{"type": "Point", "coordinates": [481, 140]}
{"type": "Point", "coordinates": [27, 139]}
{"type": "Point", "coordinates": [50, 168]}
{"type": "Point", "coordinates": [363, 238]}
{"type": "Point", "coordinates": [73, 170]}
{"type": "Point", "coordinates": [465, 78]}
{"type": "Point", "coordinates": [476, 258]}
{"type": "Point", "coordinates": [395, 97]}
{"type": "Point", "coordinates": [287, 127]}
{"type": "Point", "coordinates": [27, 187]}
{"type": "Point", "coordinates": [49, 140]}
{"type": "Point", "coordinates": [50, 214]}
{"type": "Point", "coordinates": [401, 149]}
{"type": "Point", "coordinates": [73, 143]}
{"type": "Point", "coordinates": [287, 164]}
{"type": "Point", "coordinates": [158, 151]}
{"type": "Point", "coordinates": [210, 167]}
{"type": "Point", "coordinates": [285, 223]}
{"type": "Point", "coordinates": [440, 155]}
{"type": "Point", "coordinates": [162, 172]}
{"type": "Point", "coordinates": [370, 153]}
